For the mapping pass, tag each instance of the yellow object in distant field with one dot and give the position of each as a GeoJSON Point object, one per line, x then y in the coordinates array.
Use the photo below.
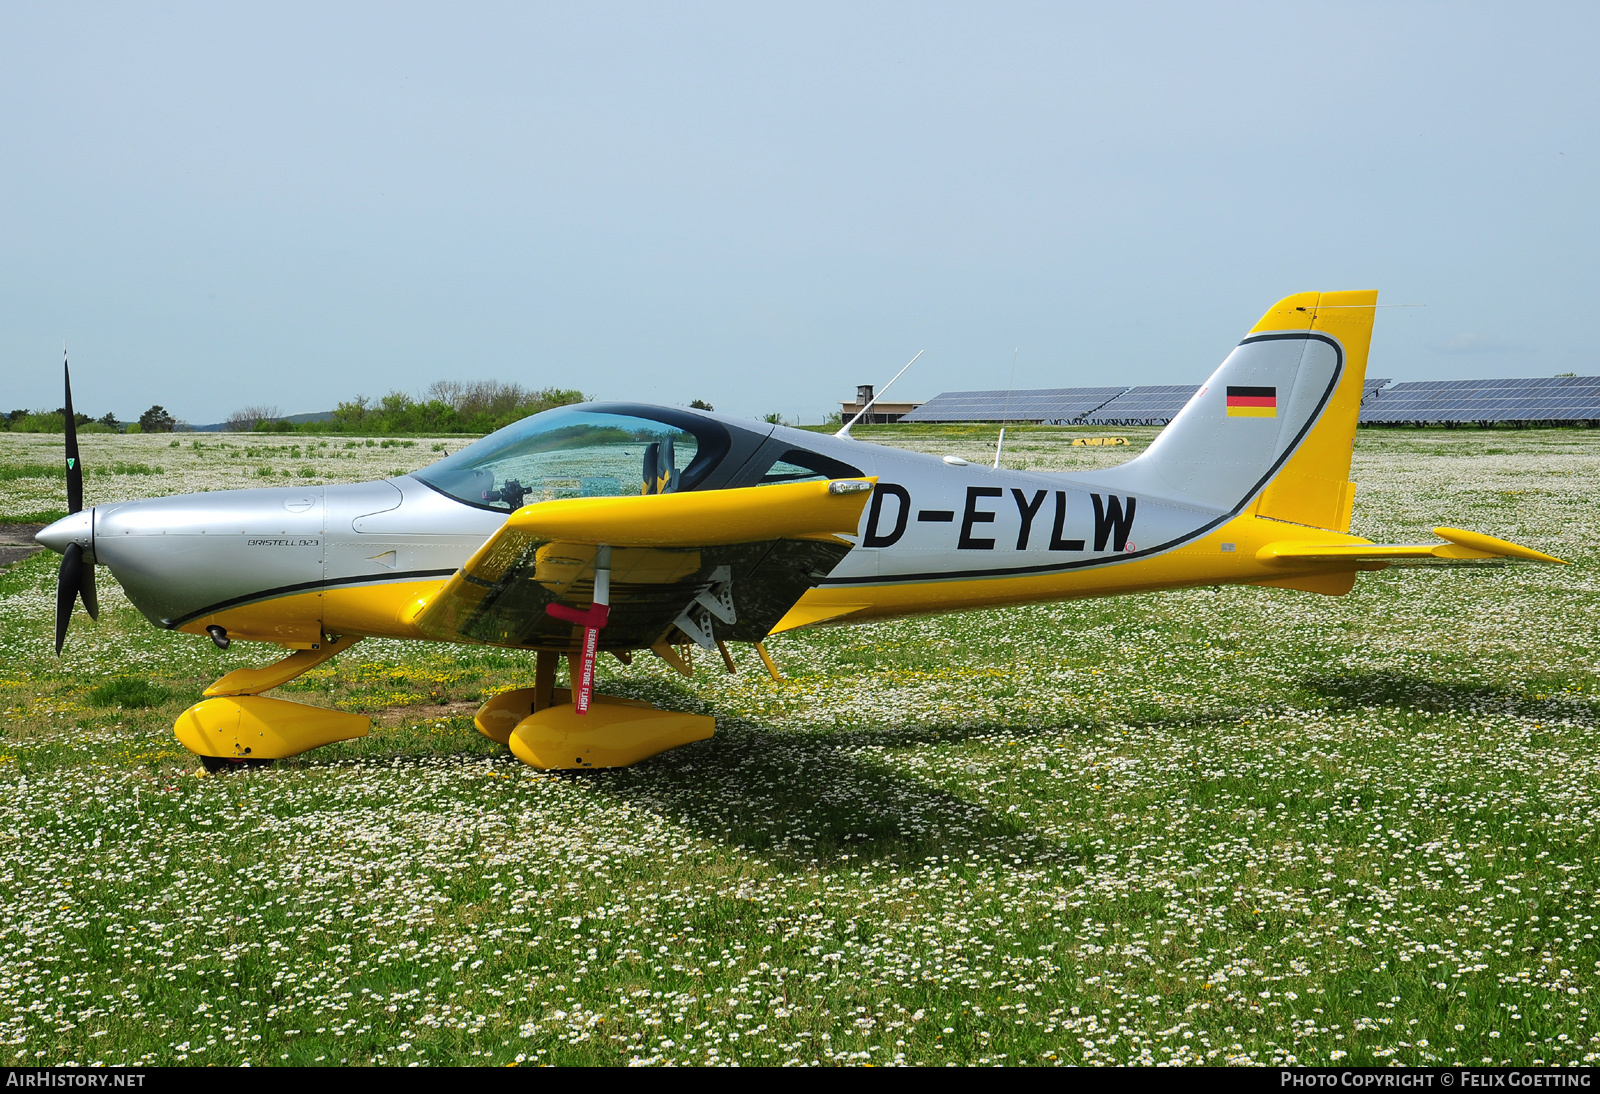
{"type": "Point", "coordinates": [1098, 442]}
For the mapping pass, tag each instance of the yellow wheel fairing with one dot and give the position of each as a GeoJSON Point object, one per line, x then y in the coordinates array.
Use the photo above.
{"type": "Point", "coordinates": [608, 736]}
{"type": "Point", "coordinates": [498, 717]}
{"type": "Point", "coordinates": [249, 727]}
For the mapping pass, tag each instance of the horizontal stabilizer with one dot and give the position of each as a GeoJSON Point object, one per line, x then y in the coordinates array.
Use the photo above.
{"type": "Point", "coordinates": [1460, 546]}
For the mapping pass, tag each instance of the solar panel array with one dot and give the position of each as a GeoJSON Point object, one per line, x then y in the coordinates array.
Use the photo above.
{"type": "Point", "coordinates": [1057, 404]}
{"type": "Point", "coordinates": [1156, 404]}
{"type": "Point", "coordinates": [1543, 399]}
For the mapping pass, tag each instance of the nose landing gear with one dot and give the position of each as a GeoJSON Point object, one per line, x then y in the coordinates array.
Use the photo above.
{"type": "Point", "coordinates": [234, 726]}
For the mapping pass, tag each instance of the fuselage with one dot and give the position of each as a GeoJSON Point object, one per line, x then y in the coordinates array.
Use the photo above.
{"type": "Point", "coordinates": [292, 565]}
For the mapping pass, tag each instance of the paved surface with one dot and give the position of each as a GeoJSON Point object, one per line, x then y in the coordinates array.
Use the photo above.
{"type": "Point", "coordinates": [16, 542]}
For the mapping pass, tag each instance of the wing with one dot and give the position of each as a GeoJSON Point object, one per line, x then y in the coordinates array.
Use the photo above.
{"type": "Point", "coordinates": [1460, 547]}
{"type": "Point", "coordinates": [716, 564]}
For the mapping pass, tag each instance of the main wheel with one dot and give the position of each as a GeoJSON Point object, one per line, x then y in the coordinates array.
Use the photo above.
{"type": "Point", "coordinates": [216, 765]}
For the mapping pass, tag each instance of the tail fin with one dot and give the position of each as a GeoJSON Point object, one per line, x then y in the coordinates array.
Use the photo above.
{"type": "Point", "coordinates": [1276, 422]}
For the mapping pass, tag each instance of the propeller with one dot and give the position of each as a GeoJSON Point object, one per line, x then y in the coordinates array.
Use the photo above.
{"type": "Point", "coordinates": [76, 578]}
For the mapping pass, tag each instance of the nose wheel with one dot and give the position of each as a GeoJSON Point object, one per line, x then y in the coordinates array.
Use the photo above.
{"type": "Point", "coordinates": [236, 727]}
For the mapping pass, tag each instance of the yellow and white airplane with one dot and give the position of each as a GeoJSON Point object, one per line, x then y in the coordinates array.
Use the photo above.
{"type": "Point", "coordinates": [621, 528]}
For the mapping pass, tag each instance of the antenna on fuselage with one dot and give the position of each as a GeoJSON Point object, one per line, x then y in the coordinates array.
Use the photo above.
{"type": "Point", "coordinates": [844, 431]}
{"type": "Point", "coordinates": [1005, 415]}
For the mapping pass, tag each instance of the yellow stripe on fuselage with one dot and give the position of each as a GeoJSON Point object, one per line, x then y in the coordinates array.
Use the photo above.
{"type": "Point", "coordinates": [1262, 553]}
{"type": "Point", "coordinates": [1252, 412]}
{"type": "Point", "coordinates": [1200, 562]}
{"type": "Point", "coordinates": [386, 609]}
{"type": "Point", "coordinates": [380, 609]}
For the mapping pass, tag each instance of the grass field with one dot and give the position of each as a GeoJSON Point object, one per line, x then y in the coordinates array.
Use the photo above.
{"type": "Point", "coordinates": [1225, 825]}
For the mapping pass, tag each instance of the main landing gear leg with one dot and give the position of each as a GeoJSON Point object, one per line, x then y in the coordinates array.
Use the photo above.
{"type": "Point", "coordinates": [497, 718]}
{"type": "Point", "coordinates": [234, 726]}
{"type": "Point", "coordinates": [544, 731]}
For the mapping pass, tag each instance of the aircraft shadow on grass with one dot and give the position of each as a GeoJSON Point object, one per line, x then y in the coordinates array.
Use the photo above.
{"type": "Point", "coordinates": [803, 800]}
{"type": "Point", "coordinates": [1351, 691]}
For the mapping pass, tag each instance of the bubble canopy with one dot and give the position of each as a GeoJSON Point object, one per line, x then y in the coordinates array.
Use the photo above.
{"type": "Point", "coordinates": [582, 451]}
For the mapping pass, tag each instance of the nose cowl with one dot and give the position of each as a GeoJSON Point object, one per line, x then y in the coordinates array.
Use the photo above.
{"type": "Point", "coordinates": [74, 528]}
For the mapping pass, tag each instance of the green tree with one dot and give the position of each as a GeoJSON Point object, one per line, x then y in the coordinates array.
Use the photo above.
{"type": "Point", "coordinates": [700, 404]}
{"type": "Point", "coordinates": [450, 406]}
{"type": "Point", "coordinates": [353, 412]}
{"type": "Point", "coordinates": [156, 420]}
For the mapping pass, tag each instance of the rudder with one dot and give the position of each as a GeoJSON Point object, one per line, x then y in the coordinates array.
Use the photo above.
{"type": "Point", "coordinates": [1313, 487]}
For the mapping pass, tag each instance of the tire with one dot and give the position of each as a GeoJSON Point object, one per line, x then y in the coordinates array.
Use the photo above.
{"type": "Point", "coordinates": [217, 765]}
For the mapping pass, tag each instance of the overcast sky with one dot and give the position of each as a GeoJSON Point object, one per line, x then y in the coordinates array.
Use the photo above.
{"type": "Point", "coordinates": [764, 205]}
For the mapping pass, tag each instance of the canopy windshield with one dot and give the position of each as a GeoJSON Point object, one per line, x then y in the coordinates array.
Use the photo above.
{"type": "Point", "coordinates": [577, 452]}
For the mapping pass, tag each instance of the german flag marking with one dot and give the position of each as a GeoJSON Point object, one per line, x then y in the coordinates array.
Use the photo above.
{"type": "Point", "coordinates": [1252, 402]}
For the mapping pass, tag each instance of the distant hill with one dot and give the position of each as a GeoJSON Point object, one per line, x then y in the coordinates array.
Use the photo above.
{"type": "Point", "coordinates": [295, 419]}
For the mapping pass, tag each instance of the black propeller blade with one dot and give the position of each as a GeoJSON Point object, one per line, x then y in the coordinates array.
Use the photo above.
{"type": "Point", "coordinates": [74, 465]}
{"type": "Point", "coordinates": [91, 602]}
{"type": "Point", "coordinates": [68, 581]}
{"type": "Point", "coordinates": [75, 578]}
